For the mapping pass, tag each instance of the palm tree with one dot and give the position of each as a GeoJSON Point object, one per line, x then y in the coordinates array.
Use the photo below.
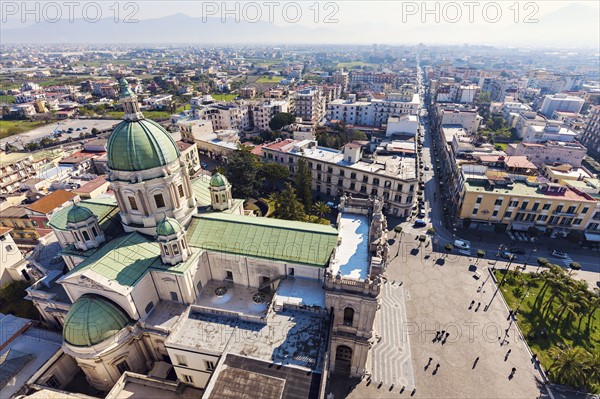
{"type": "Point", "coordinates": [321, 209]}
{"type": "Point", "coordinates": [570, 366]}
{"type": "Point", "coordinates": [594, 305]}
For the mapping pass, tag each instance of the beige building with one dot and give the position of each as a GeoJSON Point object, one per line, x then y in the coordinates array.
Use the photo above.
{"type": "Point", "coordinates": [309, 104]}
{"type": "Point", "coordinates": [591, 134]}
{"type": "Point", "coordinates": [549, 152]}
{"type": "Point", "coordinates": [390, 174]}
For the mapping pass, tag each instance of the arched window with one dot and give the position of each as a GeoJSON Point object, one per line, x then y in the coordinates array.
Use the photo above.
{"type": "Point", "coordinates": [166, 248]}
{"type": "Point", "coordinates": [86, 236]}
{"type": "Point", "coordinates": [94, 231]}
{"type": "Point", "coordinates": [348, 316]}
{"type": "Point", "coordinates": [175, 249]}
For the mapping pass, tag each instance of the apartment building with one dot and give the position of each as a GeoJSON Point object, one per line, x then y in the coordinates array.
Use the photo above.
{"type": "Point", "coordinates": [549, 152]}
{"type": "Point", "coordinates": [390, 173]}
{"type": "Point", "coordinates": [591, 133]}
{"type": "Point", "coordinates": [309, 104]}
{"type": "Point", "coordinates": [524, 119]}
{"type": "Point", "coordinates": [14, 168]}
{"type": "Point", "coordinates": [373, 112]}
{"type": "Point", "coordinates": [521, 203]}
{"type": "Point", "coordinates": [29, 97]}
{"type": "Point", "coordinates": [552, 131]}
{"type": "Point", "coordinates": [561, 102]}
{"type": "Point", "coordinates": [23, 231]}
{"type": "Point", "coordinates": [456, 93]}
{"type": "Point", "coordinates": [229, 116]}
{"type": "Point", "coordinates": [262, 113]}
{"type": "Point", "coordinates": [467, 118]}
{"type": "Point", "coordinates": [343, 79]}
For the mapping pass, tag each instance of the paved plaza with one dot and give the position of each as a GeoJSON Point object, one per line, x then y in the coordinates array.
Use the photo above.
{"type": "Point", "coordinates": [475, 360]}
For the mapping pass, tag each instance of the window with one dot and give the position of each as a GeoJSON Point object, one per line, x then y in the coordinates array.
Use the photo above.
{"type": "Point", "coordinates": [546, 207]}
{"type": "Point", "coordinates": [132, 203]}
{"type": "Point", "coordinates": [352, 186]}
{"type": "Point", "coordinates": [53, 382]}
{"type": "Point", "coordinates": [149, 307]}
{"type": "Point", "coordinates": [475, 210]}
{"type": "Point", "coordinates": [188, 378]}
{"type": "Point", "coordinates": [376, 182]}
{"type": "Point", "coordinates": [181, 360]}
{"type": "Point", "coordinates": [9, 248]}
{"type": "Point", "coordinates": [399, 187]}
{"type": "Point", "coordinates": [535, 206]}
{"type": "Point", "coordinates": [559, 208]}
{"type": "Point", "coordinates": [174, 296]}
{"type": "Point", "coordinates": [353, 175]}
{"type": "Point", "coordinates": [122, 367]}
{"type": "Point", "coordinates": [86, 236]}
{"type": "Point", "coordinates": [160, 201]}
{"type": "Point", "coordinates": [365, 179]}
{"type": "Point", "coordinates": [513, 203]}
{"type": "Point", "coordinates": [498, 202]}
{"type": "Point", "coordinates": [210, 366]}
{"type": "Point", "coordinates": [290, 271]}
{"type": "Point", "coordinates": [585, 210]}
{"type": "Point", "coordinates": [524, 205]}
{"type": "Point", "coordinates": [180, 189]}
{"type": "Point", "coordinates": [542, 218]}
{"type": "Point", "coordinates": [507, 214]}
{"type": "Point", "coordinates": [228, 275]}
{"type": "Point", "coordinates": [348, 316]}
{"type": "Point", "coordinates": [94, 231]}
{"type": "Point", "coordinates": [397, 198]}
{"type": "Point", "coordinates": [175, 249]}
{"type": "Point", "coordinates": [577, 221]}
{"type": "Point", "coordinates": [342, 172]}
{"type": "Point", "coordinates": [76, 236]}
{"type": "Point", "coordinates": [494, 214]}
{"type": "Point", "coordinates": [363, 189]}
{"type": "Point", "coordinates": [166, 248]}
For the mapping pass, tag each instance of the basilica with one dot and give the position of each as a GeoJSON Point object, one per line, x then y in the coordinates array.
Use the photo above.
{"type": "Point", "coordinates": [172, 272]}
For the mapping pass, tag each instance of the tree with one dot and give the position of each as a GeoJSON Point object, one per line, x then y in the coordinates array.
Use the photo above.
{"type": "Point", "coordinates": [288, 206]}
{"type": "Point", "coordinates": [280, 120]}
{"type": "Point", "coordinates": [571, 365]}
{"type": "Point", "coordinates": [302, 182]}
{"type": "Point", "coordinates": [321, 208]}
{"type": "Point", "coordinates": [242, 171]}
{"type": "Point", "coordinates": [94, 130]}
{"type": "Point", "coordinates": [273, 173]}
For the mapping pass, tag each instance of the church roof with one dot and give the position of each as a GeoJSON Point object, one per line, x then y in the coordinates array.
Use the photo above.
{"type": "Point", "coordinates": [78, 214]}
{"type": "Point", "coordinates": [140, 145]}
{"type": "Point", "coordinates": [275, 239]}
{"type": "Point", "coordinates": [167, 227]}
{"type": "Point", "coordinates": [218, 180]}
{"type": "Point", "coordinates": [105, 209]}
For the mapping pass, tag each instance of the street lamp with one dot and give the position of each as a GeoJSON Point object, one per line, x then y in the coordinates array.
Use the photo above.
{"type": "Point", "coordinates": [530, 254]}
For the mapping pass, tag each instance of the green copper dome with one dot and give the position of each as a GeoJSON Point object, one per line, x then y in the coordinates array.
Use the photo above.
{"type": "Point", "coordinates": [218, 180]}
{"type": "Point", "coordinates": [125, 89]}
{"type": "Point", "coordinates": [140, 145]}
{"type": "Point", "coordinates": [78, 214]}
{"type": "Point", "coordinates": [168, 226]}
{"type": "Point", "coordinates": [91, 320]}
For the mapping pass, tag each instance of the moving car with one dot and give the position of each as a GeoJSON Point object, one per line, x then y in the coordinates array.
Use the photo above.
{"type": "Point", "coordinates": [508, 255]}
{"type": "Point", "coordinates": [559, 254]}
{"type": "Point", "coordinates": [461, 244]}
{"type": "Point", "coordinates": [520, 251]}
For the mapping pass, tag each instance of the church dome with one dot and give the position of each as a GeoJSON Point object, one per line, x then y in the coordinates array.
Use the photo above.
{"type": "Point", "coordinates": [168, 226]}
{"type": "Point", "coordinates": [218, 180]}
{"type": "Point", "coordinates": [78, 214]}
{"type": "Point", "coordinates": [93, 319]}
{"type": "Point", "coordinates": [136, 145]}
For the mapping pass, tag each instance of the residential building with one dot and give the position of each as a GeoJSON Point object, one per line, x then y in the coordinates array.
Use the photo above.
{"type": "Point", "coordinates": [405, 125]}
{"type": "Point", "coordinates": [248, 92]}
{"type": "Point", "coordinates": [549, 152]}
{"type": "Point", "coordinates": [591, 133]}
{"type": "Point", "coordinates": [467, 118]}
{"type": "Point", "coordinates": [343, 79]}
{"type": "Point", "coordinates": [493, 198]}
{"type": "Point", "coordinates": [189, 155]}
{"type": "Point", "coordinates": [561, 102]}
{"type": "Point", "coordinates": [23, 231]}
{"type": "Point", "coordinates": [262, 113]}
{"type": "Point", "coordinates": [309, 104]}
{"type": "Point", "coordinates": [562, 172]}
{"type": "Point", "coordinates": [526, 119]}
{"type": "Point", "coordinates": [14, 168]}
{"type": "Point", "coordinates": [159, 101]}
{"type": "Point", "coordinates": [225, 116]}
{"type": "Point", "coordinates": [42, 210]}
{"type": "Point", "coordinates": [192, 129]}
{"type": "Point", "coordinates": [30, 97]}
{"type": "Point", "coordinates": [93, 188]}
{"type": "Point", "coordinates": [552, 131]}
{"type": "Point", "coordinates": [373, 112]}
{"type": "Point", "coordinates": [386, 174]}
{"type": "Point", "coordinates": [13, 266]}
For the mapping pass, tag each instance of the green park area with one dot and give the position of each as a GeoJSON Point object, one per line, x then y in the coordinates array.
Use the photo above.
{"type": "Point", "coordinates": [560, 319]}
{"type": "Point", "coordinates": [269, 79]}
{"type": "Point", "coordinates": [10, 128]}
{"type": "Point", "coordinates": [223, 96]}
{"type": "Point", "coordinates": [354, 64]}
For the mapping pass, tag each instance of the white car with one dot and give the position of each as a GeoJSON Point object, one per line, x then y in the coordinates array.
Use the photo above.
{"type": "Point", "coordinates": [559, 254]}
{"type": "Point", "coordinates": [461, 244]}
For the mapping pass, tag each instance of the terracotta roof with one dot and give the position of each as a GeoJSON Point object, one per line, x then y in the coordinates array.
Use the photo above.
{"type": "Point", "coordinates": [182, 145]}
{"type": "Point", "coordinates": [5, 230]}
{"type": "Point", "coordinates": [257, 150]}
{"type": "Point", "coordinates": [51, 201]}
{"type": "Point", "coordinates": [280, 144]}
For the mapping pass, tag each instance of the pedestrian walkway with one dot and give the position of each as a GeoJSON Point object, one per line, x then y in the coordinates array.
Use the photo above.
{"type": "Point", "coordinates": [390, 355]}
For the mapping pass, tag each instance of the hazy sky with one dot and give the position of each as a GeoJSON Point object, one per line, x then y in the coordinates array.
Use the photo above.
{"type": "Point", "coordinates": [560, 23]}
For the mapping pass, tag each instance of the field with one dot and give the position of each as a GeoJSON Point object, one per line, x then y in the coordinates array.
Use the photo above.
{"type": "Point", "coordinates": [270, 79]}
{"type": "Point", "coordinates": [10, 128]}
{"type": "Point", "coordinates": [223, 97]}
{"type": "Point", "coordinates": [147, 114]}
{"type": "Point", "coordinates": [543, 332]}
{"type": "Point", "coordinates": [354, 64]}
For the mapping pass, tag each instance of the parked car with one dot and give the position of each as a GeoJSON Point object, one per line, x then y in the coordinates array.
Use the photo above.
{"type": "Point", "coordinates": [461, 244]}
{"type": "Point", "coordinates": [520, 251]}
{"type": "Point", "coordinates": [558, 254]}
{"type": "Point", "coordinates": [420, 223]}
{"type": "Point", "coordinates": [426, 167]}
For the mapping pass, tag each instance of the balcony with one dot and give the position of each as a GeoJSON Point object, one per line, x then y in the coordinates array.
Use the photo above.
{"type": "Point", "coordinates": [569, 214]}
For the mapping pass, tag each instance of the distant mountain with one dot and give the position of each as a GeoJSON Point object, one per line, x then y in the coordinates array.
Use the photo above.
{"type": "Point", "coordinates": [177, 28]}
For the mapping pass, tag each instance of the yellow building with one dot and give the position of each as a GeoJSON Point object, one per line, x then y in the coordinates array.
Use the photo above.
{"type": "Point", "coordinates": [24, 231]}
{"type": "Point", "coordinates": [523, 204]}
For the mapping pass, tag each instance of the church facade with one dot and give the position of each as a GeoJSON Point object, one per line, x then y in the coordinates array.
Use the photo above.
{"type": "Point", "coordinates": [173, 270]}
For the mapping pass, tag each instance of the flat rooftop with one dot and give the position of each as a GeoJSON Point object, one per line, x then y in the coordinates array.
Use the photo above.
{"type": "Point", "coordinates": [299, 291]}
{"type": "Point", "coordinates": [288, 337]}
{"type": "Point", "coordinates": [237, 298]}
{"type": "Point", "coordinates": [351, 258]}
{"type": "Point", "coordinates": [525, 190]}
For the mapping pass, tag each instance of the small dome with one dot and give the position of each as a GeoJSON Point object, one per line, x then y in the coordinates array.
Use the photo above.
{"type": "Point", "coordinates": [125, 89]}
{"type": "Point", "coordinates": [78, 214]}
{"type": "Point", "coordinates": [140, 145]}
{"type": "Point", "coordinates": [93, 319]}
{"type": "Point", "coordinates": [168, 226]}
{"type": "Point", "coordinates": [218, 180]}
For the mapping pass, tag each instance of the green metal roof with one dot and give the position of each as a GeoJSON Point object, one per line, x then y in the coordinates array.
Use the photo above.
{"type": "Point", "coordinates": [282, 240]}
{"type": "Point", "coordinates": [105, 209]}
{"type": "Point", "coordinates": [78, 214]}
{"type": "Point", "coordinates": [125, 88]}
{"type": "Point", "coordinates": [93, 319]}
{"type": "Point", "coordinates": [140, 145]}
{"type": "Point", "coordinates": [218, 180]}
{"type": "Point", "coordinates": [168, 226]}
{"type": "Point", "coordinates": [201, 189]}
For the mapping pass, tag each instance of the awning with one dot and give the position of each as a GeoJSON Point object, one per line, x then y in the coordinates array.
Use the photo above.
{"type": "Point", "coordinates": [521, 226]}
{"type": "Point", "coordinates": [592, 237]}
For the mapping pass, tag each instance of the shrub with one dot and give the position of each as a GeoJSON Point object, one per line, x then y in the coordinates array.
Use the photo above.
{"type": "Point", "coordinates": [575, 266]}
{"type": "Point", "coordinates": [398, 229]}
{"type": "Point", "coordinates": [422, 238]}
{"type": "Point", "coordinates": [431, 231]}
{"type": "Point", "coordinates": [448, 247]}
{"type": "Point", "coordinates": [543, 261]}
